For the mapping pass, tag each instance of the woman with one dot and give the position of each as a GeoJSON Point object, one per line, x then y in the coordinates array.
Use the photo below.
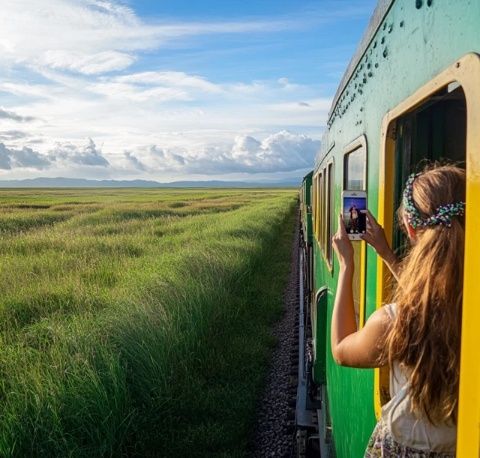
{"type": "Point", "coordinates": [353, 219]}
{"type": "Point", "coordinates": [418, 335]}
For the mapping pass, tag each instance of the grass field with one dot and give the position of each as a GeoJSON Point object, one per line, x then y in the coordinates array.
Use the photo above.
{"type": "Point", "coordinates": [137, 322]}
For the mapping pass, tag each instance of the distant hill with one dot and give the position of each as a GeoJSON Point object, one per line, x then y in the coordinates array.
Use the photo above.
{"type": "Point", "coordinates": [61, 182]}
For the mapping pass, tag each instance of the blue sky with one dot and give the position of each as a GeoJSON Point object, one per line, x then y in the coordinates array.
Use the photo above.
{"type": "Point", "coordinates": [169, 89]}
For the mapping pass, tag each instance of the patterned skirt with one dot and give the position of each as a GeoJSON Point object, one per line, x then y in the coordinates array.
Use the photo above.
{"type": "Point", "coordinates": [382, 445]}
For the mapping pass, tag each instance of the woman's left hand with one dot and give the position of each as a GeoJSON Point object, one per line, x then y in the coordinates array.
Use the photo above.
{"type": "Point", "coordinates": [342, 245]}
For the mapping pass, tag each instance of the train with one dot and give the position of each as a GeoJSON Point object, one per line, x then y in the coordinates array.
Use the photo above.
{"type": "Point", "coordinates": [410, 93]}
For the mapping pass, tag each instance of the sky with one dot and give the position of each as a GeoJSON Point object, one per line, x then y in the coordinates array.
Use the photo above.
{"type": "Point", "coordinates": [170, 89]}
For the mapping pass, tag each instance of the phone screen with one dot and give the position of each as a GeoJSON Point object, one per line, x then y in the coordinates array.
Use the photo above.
{"type": "Point", "coordinates": [354, 215]}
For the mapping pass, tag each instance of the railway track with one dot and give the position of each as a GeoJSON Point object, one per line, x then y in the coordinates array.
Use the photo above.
{"type": "Point", "coordinates": [276, 434]}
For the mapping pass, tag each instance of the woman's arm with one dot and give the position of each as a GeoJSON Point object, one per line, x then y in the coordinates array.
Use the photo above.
{"type": "Point", "coordinates": [350, 347]}
{"type": "Point", "coordinates": [343, 317]}
{"type": "Point", "coordinates": [375, 237]}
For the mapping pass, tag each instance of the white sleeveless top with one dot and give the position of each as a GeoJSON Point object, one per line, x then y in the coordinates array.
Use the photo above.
{"type": "Point", "coordinates": [403, 424]}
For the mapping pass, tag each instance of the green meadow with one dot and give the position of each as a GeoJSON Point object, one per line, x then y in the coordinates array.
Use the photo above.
{"type": "Point", "coordinates": [137, 322]}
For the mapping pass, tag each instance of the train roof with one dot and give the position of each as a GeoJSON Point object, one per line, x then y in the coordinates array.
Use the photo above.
{"type": "Point", "coordinates": [380, 11]}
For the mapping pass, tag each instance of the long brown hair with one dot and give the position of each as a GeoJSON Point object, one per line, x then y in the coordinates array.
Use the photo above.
{"type": "Point", "coordinates": [425, 336]}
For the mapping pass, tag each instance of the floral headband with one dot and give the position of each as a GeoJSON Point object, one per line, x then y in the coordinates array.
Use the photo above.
{"type": "Point", "coordinates": [443, 214]}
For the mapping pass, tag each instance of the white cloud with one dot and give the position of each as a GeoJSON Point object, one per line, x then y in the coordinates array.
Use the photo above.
{"type": "Point", "coordinates": [66, 156]}
{"type": "Point", "coordinates": [12, 134]}
{"type": "Point", "coordinates": [76, 54]}
{"type": "Point", "coordinates": [88, 155]}
{"type": "Point", "coordinates": [22, 90]}
{"type": "Point", "coordinates": [88, 64]}
{"type": "Point", "coordinates": [287, 85]}
{"type": "Point", "coordinates": [191, 119]}
{"type": "Point", "coordinates": [177, 79]}
{"type": "Point", "coordinates": [21, 158]}
{"type": "Point", "coordinates": [160, 107]}
{"type": "Point", "coordinates": [134, 162]}
{"type": "Point", "coordinates": [139, 94]}
{"type": "Point", "coordinates": [92, 37]}
{"type": "Point", "coordinates": [280, 152]}
{"type": "Point", "coordinates": [4, 114]}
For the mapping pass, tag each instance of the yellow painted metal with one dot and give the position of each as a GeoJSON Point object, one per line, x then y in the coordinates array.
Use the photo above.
{"type": "Point", "coordinates": [314, 205]}
{"type": "Point", "coordinates": [319, 209]}
{"type": "Point", "coordinates": [358, 283]}
{"type": "Point", "coordinates": [321, 198]}
{"type": "Point", "coordinates": [363, 281]}
{"type": "Point", "coordinates": [330, 217]}
{"type": "Point", "coordinates": [466, 71]}
{"type": "Point", "coordinates": [325, 208]}
{"type": "Point", "coordinates": [468, 438]}
{"type": "Point", "coordinates": [385, 218]}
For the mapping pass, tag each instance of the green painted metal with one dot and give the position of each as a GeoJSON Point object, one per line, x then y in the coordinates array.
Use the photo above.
{"type": "Point", "coordinates": [415, 41]}
{"type": "Point", "coordinates": [307, 186]}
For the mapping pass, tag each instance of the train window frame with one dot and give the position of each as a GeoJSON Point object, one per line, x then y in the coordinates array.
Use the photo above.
{"type": "Point", "coordinates": [330, 205]}
{"type": "Point", "coordinates": [313, 199]}
{"type": "Point", "coordinates": [318, 214]}
{"type": "Point", "coordinates": [465, 72]}
{"type": "Point", "coordinates": [320, 209]}
{"type": "Point", "coordinates": [325, 206]}
{"type": "Point", "coordinates": [357, 144]}
{"type": "Point", "coordinates": [360, 143]}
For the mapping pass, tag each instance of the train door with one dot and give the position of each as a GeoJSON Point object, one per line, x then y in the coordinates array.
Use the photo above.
{"type": "Point", "coordinates": [439, 121]}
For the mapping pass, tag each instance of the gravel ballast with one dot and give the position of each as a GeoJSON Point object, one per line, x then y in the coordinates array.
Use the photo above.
{"type": "Point", "coordinates": [274, 432]}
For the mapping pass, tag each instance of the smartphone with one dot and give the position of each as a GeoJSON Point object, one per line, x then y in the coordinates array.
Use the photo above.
{"type": "Point", "coordinates": [354, 207]}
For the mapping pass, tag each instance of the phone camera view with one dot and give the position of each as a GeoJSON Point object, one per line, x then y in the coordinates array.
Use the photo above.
{"type": "Point", "coordinates": [354, 216]}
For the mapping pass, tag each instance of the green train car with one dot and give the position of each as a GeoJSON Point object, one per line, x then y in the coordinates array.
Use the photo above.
{"type": "Point", "coordinates": [411, 92]}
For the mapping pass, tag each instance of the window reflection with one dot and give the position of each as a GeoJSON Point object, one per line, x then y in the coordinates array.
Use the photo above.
{"type": "Point", "coordinates": [355, 163]}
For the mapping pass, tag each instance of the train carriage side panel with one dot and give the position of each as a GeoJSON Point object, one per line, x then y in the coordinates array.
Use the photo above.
{"type": "Point", "coordinates": [415, 41]}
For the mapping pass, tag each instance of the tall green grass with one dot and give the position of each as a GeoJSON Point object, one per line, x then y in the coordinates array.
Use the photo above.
{"type": "Point", "coordinates": [137, 323]}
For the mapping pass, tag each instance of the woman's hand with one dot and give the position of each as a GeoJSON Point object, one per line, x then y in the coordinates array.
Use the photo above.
{"type": "Point", "coordinates": [375, 236]}
{"type": "Point", "coordinates": [342, 245]}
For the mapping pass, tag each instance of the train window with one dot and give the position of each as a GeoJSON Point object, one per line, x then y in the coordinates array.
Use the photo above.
{"type": "Point", "coordinates": [355, 178]}
{"type": "Point", "coordinates": [322, 203]}
{"type": "Point", "coordinates": [321, 192]}
{"type": "Point", "coordinates": [436, 122]}
{"type": "Point", "coordinates": [324, 207]}
{"type": "Point", "coordinates": [318, 193]}
{"type": "Point", "coordinates": [355, 169]}
{"type": "Point", "coordinates": [433, 131]}
{"type": "Point", "coordinates": [329, 218]}
{"type": "Point", "coordinates": [314, 205]}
